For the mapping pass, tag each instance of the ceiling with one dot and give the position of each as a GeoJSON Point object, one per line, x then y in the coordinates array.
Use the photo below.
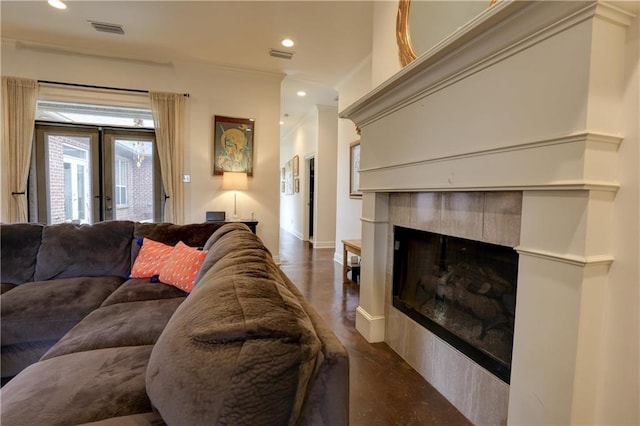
{"type": "Point", "coordinates": [332, 37]}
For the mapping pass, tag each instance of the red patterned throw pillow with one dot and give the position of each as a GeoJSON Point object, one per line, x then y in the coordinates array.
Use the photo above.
{"type": "Point", "coordinates": [182, 266]}
{"type": "Point", "coordinates": [151, 259]}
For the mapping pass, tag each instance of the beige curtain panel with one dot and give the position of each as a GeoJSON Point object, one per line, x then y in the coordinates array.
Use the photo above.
{"type": "Point", "coordinates": [168, 118]}
{"type": "Point", "coordinates": [19, 96]}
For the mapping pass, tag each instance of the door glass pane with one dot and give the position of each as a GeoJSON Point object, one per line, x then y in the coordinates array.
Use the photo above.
{"type": "Point", "coordinates": [133, 180]}
{"type": "Point", "coordinates": [69, 178]}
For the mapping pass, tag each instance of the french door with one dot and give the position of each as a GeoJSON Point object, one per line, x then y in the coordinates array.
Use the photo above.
{"type": "Point", "coordinates": [87, 174]}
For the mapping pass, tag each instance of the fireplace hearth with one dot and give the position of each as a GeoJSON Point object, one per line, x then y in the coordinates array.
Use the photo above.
{"type": "Point", "coordinates": [462, 290]}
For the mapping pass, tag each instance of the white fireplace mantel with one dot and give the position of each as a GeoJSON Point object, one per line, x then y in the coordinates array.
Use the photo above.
{"type": "Point", "coordinates": [528, 96]}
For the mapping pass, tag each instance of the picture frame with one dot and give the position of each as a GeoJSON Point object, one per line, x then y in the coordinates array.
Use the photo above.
{"type": "Point", "coordinates": [282, 186]}
{"type": "Point", "coordinates": [296, 165]}
{"type": "Point", "coordinates": [288, 178]}
{"type": "Point", "coordinates": [296, 185]}
{"type": "Point", "coordinates": [233, 145]}
{"type": "Point", "coordinates": [354, 170]}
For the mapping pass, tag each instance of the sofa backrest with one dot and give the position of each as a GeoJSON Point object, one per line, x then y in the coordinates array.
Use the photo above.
{"type": "Point", "coordinates": [19, 245]}
{"type": "Point", "coordinates": [240, 349]}
{"type": "Point", "coordinates": [100, 249]}
{"type": "Point", "coordinates": [194, 235]}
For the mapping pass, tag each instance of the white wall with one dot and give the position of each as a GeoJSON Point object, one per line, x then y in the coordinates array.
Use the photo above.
{"type": "Point", "coordinates": [385, 60]}
{"type": "Point", "coordinates": [301, 141]}
{"type": "Point", "coordinates": [315, 136]}
{"type": "Point", "coordinates": [213, 91]}
{"type": "Point", "coordinates": [619, 390]}
{"type": "Point", "coordinates": [348, 210]}
{"type": "Point", "coordinates": [325, 177]}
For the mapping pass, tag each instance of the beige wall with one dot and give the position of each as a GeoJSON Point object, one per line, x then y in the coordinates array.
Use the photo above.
{"type": "Point", "coordinates": [213, 91]}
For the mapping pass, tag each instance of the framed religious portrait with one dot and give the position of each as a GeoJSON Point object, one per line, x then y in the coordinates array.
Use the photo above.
{"type": "Point", "coordinates": [233, 145]}
{"type": "Point", "coordinates": [354, 170]}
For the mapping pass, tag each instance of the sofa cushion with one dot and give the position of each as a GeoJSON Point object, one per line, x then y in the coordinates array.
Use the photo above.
{"type": "Point", "coordinates": [86, 250]}
{"type": "Point", "coordinates": [16, 358]}
{"type": "Point", "coordinates": [143, 419]}
{"type": "Point", "coordinates": [137, 289]}
{"type": "Point", "coordinates": [245, 348]}
{"type": "Point", "coordinates": [122, 324]}
{"type": "Point", "coordinates": [5, 287]}
{"type": "Point", "coordinates": [236, 243]}
{"type": "Point", "coordinates": [224, 230]}
{"type": "Point", "coordinates": [20, 244]}
{"type": "Point", "coordinates": [181, 266]}
{"type": "Point", "coordinates": [194, 234]}
{"type": "Point", "coordinates": [150, 259]}
{"type": "Point", "coordinates": [46, 310]}
{"type": "Point", "coordinates": [78, 388]}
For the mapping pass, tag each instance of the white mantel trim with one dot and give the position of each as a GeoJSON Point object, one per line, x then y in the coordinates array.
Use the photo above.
{"type": "Point", "coordinates": [463, 60]}
{"type": "Point", "coordinates": [555, 186]}
{"type": "Point", "coordinates": [576, 137]}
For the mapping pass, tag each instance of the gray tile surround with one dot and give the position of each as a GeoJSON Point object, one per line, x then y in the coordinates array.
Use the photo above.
{"type": "Point", "coordinates": [485, 216]}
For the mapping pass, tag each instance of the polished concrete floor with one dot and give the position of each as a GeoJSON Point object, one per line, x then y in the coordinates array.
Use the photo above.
{"type": "Point", "coordinates": [384, 390]}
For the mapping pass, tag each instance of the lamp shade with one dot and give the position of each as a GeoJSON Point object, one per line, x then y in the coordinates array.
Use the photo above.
{"type": "Point", "coordinates": [236, 181]}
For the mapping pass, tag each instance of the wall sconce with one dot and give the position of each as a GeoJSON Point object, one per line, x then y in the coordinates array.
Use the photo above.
{"type": "Point", "coordinates": [235, 181]}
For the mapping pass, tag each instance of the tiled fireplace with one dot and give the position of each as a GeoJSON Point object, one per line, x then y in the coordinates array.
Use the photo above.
{"type": "Point", "coordinates": [490, 217]}
{"type": "Point", "coordinates": [507, 132]}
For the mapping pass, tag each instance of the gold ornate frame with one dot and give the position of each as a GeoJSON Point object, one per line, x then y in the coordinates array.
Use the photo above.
{"type": "Point", "coordinates": [405, 49]}
{"type": "Point", "coordinates": [403, 37]}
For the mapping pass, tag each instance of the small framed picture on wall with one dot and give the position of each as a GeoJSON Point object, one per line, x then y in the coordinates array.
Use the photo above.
{"type": "Point", "coordinates": [354, 172]}
{"type": "Point", "coordinates": [296, 165]}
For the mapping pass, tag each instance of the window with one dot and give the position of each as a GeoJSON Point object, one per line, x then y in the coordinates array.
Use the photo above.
{"type": "Point", "coordinates": [122, 170]}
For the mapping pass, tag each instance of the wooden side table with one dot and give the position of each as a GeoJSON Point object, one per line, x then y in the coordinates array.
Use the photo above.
{"type": "Point", "coordinates": [349, 246]}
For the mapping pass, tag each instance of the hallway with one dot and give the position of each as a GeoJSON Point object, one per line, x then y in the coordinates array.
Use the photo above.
{"type": "Point", "coordinates": [384, 390]}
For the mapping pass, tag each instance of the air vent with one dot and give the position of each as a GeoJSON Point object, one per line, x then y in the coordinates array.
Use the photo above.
{"type": "Point", "coordinates": [107, 28]}
{"type": "Point", "coordinates": [280, 54]}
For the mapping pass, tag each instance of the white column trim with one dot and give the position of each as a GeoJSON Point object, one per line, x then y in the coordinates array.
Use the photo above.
{"type": "Point", "coordinates": [571, 259]}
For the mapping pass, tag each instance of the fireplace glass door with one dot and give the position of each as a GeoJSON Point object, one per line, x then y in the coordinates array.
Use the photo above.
{"type": "Point", "coordinates": [464, 291]}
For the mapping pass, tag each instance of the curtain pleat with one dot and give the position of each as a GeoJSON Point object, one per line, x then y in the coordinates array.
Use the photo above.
{"type": "Point", "coordinates": [168, 117]}
{"type": "Point", "coordinates": [19, 96]}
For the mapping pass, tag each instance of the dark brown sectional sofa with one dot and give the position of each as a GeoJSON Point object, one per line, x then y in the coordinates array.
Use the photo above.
{"type": "Point", "coordinates": [89, 346]}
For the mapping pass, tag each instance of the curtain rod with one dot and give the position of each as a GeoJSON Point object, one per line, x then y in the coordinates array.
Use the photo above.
{"type": "Point", "coordinates": [89, 86]}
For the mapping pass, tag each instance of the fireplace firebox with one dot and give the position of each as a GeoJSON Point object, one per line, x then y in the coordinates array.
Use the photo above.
{"type": "Point", "coordinates": [463, 291]}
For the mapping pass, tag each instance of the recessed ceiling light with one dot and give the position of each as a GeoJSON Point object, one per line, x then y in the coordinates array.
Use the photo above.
{"type": "Point", "coordinates": [57, 4]}
{"type": "Point", "coordinates": [301, 93]}
{"type": "Point", "coordinates": [287, 42]}
{"type": "Point", "coordinates": [281, 123]}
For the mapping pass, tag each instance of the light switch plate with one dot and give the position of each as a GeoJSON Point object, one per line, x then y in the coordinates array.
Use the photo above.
{"type": "Point", "coordinates": [186, 178]}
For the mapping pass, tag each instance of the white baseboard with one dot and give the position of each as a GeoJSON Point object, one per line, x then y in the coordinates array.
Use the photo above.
{"type": "Point", "coordinates": [370, 326]}
{"type": "Point", "coordinates": [324, 244]}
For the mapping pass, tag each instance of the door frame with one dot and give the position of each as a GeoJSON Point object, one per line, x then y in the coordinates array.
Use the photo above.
{"type": "Point", "coordinates": [42, 130]}
{"type": "Point", "coordinates": [307, 198]}
{"type": "Point", "coordinates": [102, 142]}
